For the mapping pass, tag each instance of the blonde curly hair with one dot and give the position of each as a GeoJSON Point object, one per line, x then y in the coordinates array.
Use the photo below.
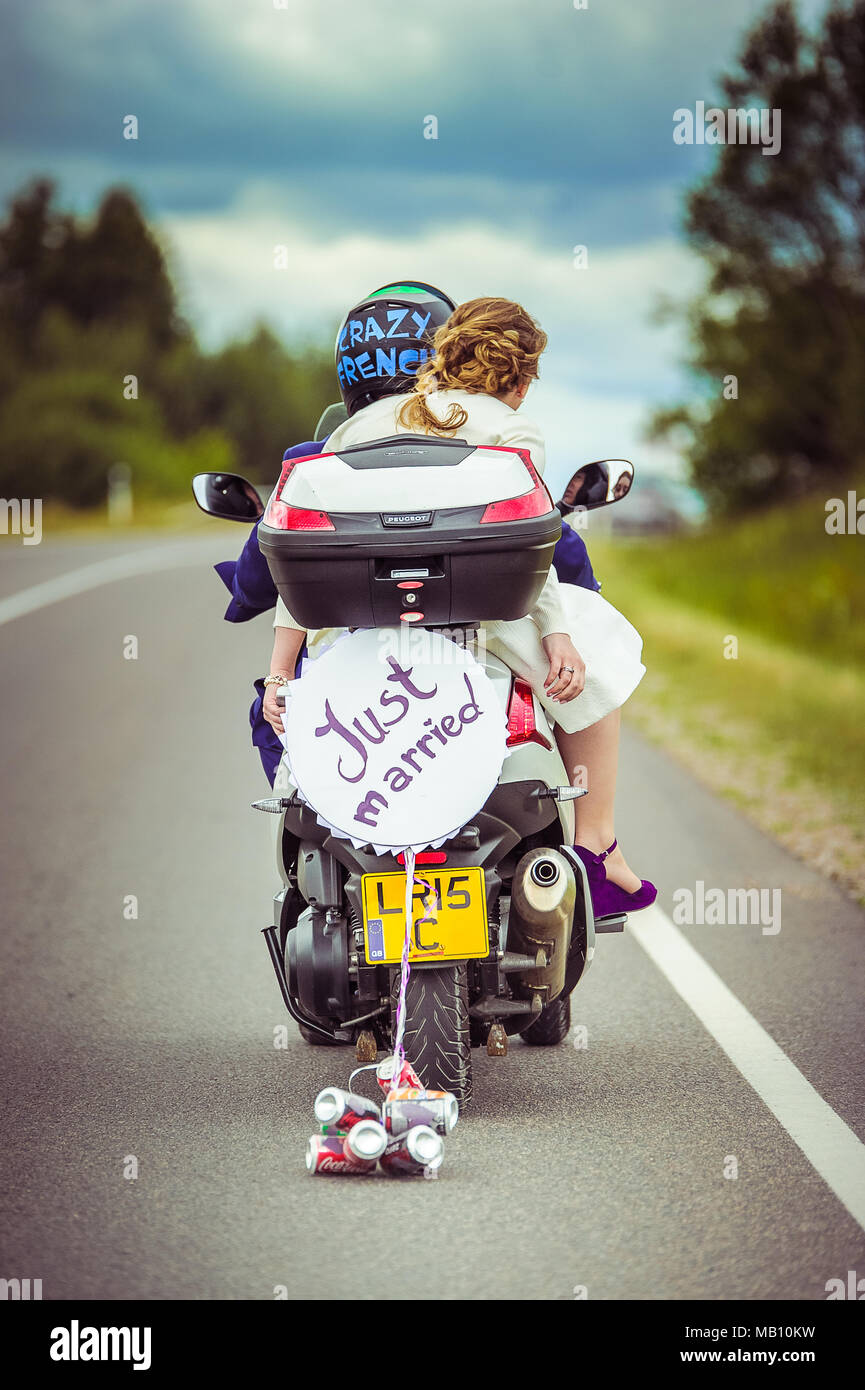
{"type": "Point", "coordinates": [487, 345]}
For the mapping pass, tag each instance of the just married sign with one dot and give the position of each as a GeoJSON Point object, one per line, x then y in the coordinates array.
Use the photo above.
{"type": "Point", "coordinates": [395, 738]}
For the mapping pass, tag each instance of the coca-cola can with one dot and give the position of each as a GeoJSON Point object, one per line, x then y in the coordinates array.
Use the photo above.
{"type": "Point", "coordinates": [365, 1143]}
{"type": "Point", "coordinates": [419, 1150]}
{"type": "Point", "coordinates": [410, 1106]}
{"type": "Point", "coordinates": [386, 1074]}
{"type": "Point", "coordinates": [325, 1153]}
{"type": "Point", "coordinates": [343, 1109]}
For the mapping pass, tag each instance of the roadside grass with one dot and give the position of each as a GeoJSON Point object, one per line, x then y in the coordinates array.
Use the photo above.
{"type": "Point", "coordinates": [777, 729]}
{"type": "Point", "coordinates": [777, 572]}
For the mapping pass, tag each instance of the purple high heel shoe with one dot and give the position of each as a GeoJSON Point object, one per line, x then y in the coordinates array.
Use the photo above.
{"type": "Point", "coordinates": [609, 899]}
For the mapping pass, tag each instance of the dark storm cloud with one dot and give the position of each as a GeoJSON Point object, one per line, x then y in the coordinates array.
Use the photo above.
{"type": "Point", "coordinates": [545, 113]}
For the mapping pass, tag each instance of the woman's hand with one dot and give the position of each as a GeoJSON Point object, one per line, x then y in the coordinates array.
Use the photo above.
{"type": "Point", "coordinates": [271, 710]}
{"type": "Point", "coordinates": [567, 674]}
{"type": "Point", "coordinates": [287, 642]}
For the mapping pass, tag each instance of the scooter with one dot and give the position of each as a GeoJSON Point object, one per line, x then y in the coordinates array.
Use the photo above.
{"type": "Point", "coordinates": [361, 539]}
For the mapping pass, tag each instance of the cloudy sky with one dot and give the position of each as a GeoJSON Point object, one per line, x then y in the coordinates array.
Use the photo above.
{"type": "Point", "coordinates": [300, 124]}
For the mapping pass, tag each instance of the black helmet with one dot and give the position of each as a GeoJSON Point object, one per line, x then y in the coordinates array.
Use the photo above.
{"type": "Point", "coordinates": [385, 338]}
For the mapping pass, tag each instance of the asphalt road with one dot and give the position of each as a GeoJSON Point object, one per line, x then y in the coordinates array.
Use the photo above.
{"type": "Point", "coordinates": [601, 1168]}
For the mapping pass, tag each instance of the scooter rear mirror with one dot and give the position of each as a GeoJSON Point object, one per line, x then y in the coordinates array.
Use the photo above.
{"type": "Point", "coordinates": [228, 496]}
{"type": "Point", "coordinates": [598, 484]}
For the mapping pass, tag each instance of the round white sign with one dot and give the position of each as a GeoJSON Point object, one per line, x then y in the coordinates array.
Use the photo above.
{"type": "Point", "coordinates": [395, 737]}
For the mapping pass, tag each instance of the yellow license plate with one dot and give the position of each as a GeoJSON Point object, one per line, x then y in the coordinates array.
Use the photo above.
{"type": "Point", "coordinates": [456, 925]}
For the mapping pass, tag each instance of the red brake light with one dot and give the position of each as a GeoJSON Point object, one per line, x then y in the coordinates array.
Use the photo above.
{"type": "Point", "coordinates": [283, 517]}
{"type": "Point", "coordinates": [434, 856]}
{"type": "Point", "coordinates": [535, 502]}
{"type": "Point", "coordinates": [521, 717]}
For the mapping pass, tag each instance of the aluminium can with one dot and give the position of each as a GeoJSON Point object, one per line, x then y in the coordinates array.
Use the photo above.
{"type": "Point", "coordinates": [419, 1150]}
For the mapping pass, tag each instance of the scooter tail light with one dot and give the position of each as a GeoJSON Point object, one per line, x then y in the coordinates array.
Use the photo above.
{"type": "Point", "coordinates": [521, 717]}
{"type": "Point", "coordinates": [535, 502]}
{"type": "Point", "coordinates": [283, 517]}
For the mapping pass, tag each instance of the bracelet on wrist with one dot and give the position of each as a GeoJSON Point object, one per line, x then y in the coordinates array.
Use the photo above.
{"type": "Point", "coordinates": [276, 680]}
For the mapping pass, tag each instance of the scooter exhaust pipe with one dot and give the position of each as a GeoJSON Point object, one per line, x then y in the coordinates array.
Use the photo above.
{"type": "Point", "coordinates": [544, 872]}
{"type": "Point", "coordinates": [543, 898]}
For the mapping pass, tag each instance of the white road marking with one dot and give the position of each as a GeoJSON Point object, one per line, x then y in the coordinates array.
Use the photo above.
{"type": "Point", "coordinates": [78, 581]}
{"type": "Point", "coordinates": [829, 1145]}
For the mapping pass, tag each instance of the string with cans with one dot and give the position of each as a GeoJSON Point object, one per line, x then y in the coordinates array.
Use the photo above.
{"type": "Point", "coordinates": [411, 879]}
{"type": "Point", "coordinates": [404, 966]}
{"type": "Point", "coordinates": [405, 1132]}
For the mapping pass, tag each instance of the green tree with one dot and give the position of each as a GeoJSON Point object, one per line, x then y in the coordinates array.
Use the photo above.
{"type": "Point", "coordinates": [265, 397]}
{"type": "Point", "coordinates": [33, 241]}
{"type": "Point", "coordinates": [115, 272]}
{"type": "Point", "coordinates": [84, 305]}
{"type": "Point", "coordinates": [110, 271]}
{"type": "Point", "coordinates": [783, 237]}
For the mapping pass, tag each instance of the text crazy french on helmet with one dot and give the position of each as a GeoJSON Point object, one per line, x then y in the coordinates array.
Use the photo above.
{"type": "Point", "coordinates": [385, 338]}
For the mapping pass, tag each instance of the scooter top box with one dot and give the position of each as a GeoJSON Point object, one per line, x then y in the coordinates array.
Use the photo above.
{"type": "Point", "coordinates": [409, 529]}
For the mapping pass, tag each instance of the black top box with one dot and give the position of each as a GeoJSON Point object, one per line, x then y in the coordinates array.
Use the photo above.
{"type": "Point", "coordinates": [410, 529]}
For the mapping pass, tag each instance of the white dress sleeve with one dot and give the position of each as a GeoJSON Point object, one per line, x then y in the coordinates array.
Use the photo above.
{"type": "Point", "coordinates": [525, 434]}
{"type": "Point", "coordinates": [284, 619]}
{"type": "Point", "coordinates": [548, 613]}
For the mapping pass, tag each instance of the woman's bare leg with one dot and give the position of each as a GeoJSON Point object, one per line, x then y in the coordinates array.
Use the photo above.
{"type": "Point", "coordinates": [591, 759]}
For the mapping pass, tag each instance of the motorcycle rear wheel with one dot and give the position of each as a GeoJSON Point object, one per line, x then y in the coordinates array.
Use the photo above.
{"type": "Point", "coordinates": [552, 1024]}
{"type": "Point", "coordinates": [436, 1039]}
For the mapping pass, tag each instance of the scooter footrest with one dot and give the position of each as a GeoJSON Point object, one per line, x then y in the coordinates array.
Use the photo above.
{"type": "Point", "coordinates": [615, 922]}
